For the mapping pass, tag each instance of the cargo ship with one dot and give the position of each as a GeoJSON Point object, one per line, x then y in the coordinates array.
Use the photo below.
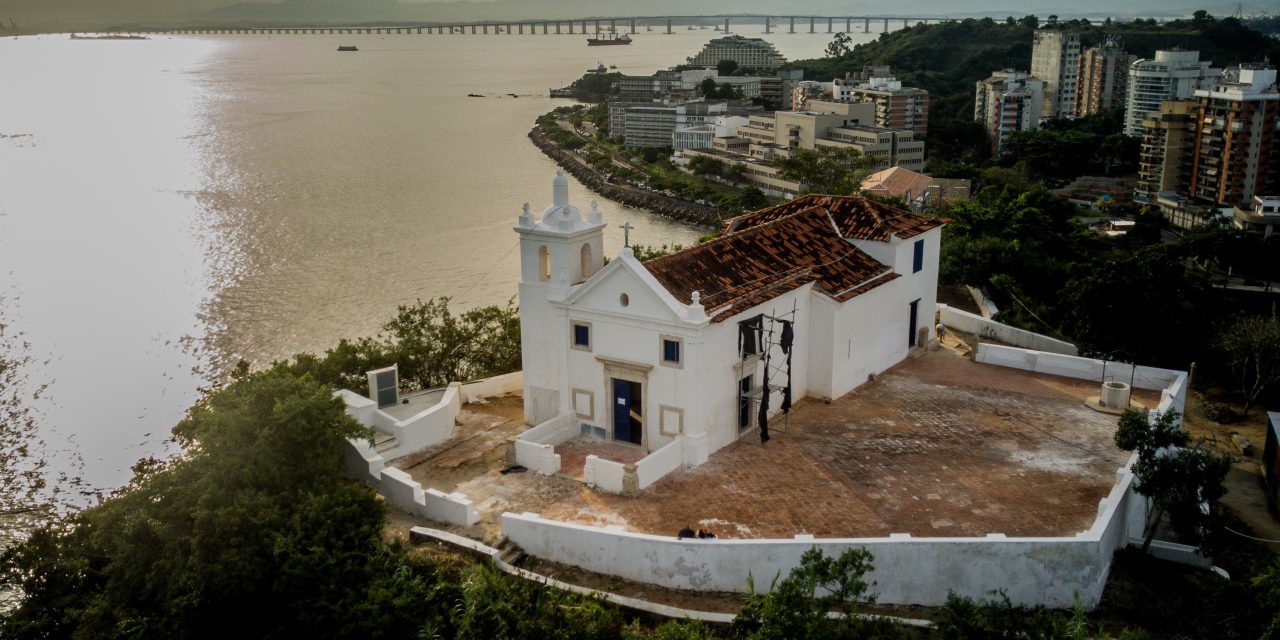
{"type": "Point", "coordinates": [607, 39]}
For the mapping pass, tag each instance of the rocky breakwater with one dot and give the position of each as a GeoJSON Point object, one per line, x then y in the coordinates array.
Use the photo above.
{"type": "Point", "coordinates": [653, 202]}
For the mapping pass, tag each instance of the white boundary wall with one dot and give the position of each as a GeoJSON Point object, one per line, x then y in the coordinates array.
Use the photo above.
{"type": "Point", "coordinates": [606, 475]}
{"type": "Point", "coordinates": [1171, 384]}
{"type": "Point", "coordinates": [920, 571]}
{"type": "Point", "coordinates": [427, 427]}
{"type": "Point", "coordinates": [1047, 571]}
{"type": "Point", "coordinates": [652, 467]}
{"type": "Point", "coordinates": [430, 426]}
{"type": "Point", "coordinates": [986, 328]}
{"type": "Point", "coordinates": [536, 447]}
{"type": "Point", "coordinates": [400, 490]}
{"type": "Point", "coordinates": [490, 387]}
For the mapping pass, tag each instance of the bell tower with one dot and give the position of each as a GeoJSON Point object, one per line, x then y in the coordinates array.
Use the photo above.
{"type": "Point", "coordinates": [557, 252]}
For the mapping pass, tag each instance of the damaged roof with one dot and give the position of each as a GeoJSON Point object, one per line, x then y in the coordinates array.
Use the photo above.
{"type": "Point", "coordinates": [776, 254]}
{"type": "Point", "coordinates": [856, 217]}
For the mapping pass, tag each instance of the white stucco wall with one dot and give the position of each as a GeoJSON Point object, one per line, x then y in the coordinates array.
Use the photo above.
{"type": "Point", "coordinates": [605, 474]}
{"type": "Point", "coordinates": [652, 467]}
{"type": "Point", "coordinates": [502, 385]}
{"type": "Point", "coordinates": [364, 464]}
{"type": "Point", "coordinates": [869, 335]}
{"type": "Point", "coordinates": [921, 571]}
{"type": "Point", "coordinates": [432, 425]}
{"type": "Point", "coordinates": [1172, 384]}
{"type": "Point", "coordinates": [535, 448]}
{"type": "Point", "coordinates": [986, 328]}
{"type": "Point", "coordinates": [631, 336]}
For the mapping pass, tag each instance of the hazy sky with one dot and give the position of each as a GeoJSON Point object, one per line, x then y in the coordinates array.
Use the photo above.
{"type": "Point", "coordinates": [35, 12]}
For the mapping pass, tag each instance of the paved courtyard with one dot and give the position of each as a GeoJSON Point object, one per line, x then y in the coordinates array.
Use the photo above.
{"type": "Point", "coordinates": [937, 446]}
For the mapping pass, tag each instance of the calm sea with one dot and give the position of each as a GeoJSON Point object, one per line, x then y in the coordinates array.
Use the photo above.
{"type": "Point", "coordinates": [172, 205]}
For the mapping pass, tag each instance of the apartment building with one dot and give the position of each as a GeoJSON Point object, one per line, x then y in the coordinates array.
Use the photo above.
{"type": "Point", "coordinates": [1236, 153]}
{"type": "Point", "coordinates": [1103, 78]}
{"type": "Point", "coordinates": [749, 53]}
{"type": "Point", "coordinates": [1171, 75]}
{"type": "Point", "coordinates": [1164, 158]}
{"type": "Point", "coordinates": [1055, 59]}
{"type": "Point", "coordinates": [897, 107]}
{"type": "Point", "coordinates": [1007, 102]}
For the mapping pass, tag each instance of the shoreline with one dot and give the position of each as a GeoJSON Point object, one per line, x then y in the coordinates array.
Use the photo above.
{"type": "Point", "coordinates": [655, 203]}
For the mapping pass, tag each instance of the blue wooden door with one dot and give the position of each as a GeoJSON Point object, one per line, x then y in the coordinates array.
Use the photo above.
{"type": "Point", "coordinates": [621, 410]}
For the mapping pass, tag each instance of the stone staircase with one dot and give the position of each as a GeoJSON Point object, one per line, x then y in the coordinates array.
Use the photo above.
{"type": "Point", "coordinates": [383, 442]}
{"type": "Point", "coordinates": [509, 553]}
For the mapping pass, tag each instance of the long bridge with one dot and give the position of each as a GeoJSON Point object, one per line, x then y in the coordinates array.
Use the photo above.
{"type": "Point", "coordinates": [583, 26]}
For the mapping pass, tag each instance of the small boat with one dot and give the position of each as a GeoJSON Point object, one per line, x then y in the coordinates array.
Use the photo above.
{"type": "Point", "coordinates": [608, 39]}
{"type": "Point", "coordinates": [347, 47]}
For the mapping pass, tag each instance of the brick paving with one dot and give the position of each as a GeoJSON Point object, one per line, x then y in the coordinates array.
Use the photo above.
{"type": "Point", "coordinates": [937, 446]}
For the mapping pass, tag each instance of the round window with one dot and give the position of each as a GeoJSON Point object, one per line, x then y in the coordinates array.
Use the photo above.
{"type": "Point", "coordinates": [624, 300]}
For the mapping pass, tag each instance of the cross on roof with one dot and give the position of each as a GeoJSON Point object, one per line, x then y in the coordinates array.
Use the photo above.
{"type": "Point", "coordinates": [626, 233]}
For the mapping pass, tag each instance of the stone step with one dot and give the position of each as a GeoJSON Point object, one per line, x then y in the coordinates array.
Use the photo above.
{"type": "Point", "coordinates": [383, 442]}
{"type": "Point", "coordinates": [509, 553]}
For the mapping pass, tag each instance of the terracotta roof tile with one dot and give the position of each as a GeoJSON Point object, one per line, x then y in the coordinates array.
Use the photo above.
{"type": "Point", "coordinates": [857, 218]}
{"type": "Point", "coordinates": [896, 181]}
{"type": "Point", "coordinates": [744, 268]}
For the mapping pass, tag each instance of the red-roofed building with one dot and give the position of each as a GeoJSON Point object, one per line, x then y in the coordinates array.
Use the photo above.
{"type": "Point", "coordinates": [692, 350]}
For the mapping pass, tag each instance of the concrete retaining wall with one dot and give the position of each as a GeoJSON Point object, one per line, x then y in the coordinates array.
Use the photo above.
{"type": "Point", "coordinates": [921, 571]}
{"type": "Point", "coordinates": [492, 387]}
{"type": "Point", "coordinates": [986, 328]}
{"type": "Point", "coordinates": [605, 475]}
{"type": "Point", "coordinates": [652, 467]}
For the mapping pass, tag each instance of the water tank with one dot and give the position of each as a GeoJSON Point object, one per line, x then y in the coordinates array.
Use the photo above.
{"type": "Point", "coordinates": [1115, 395]}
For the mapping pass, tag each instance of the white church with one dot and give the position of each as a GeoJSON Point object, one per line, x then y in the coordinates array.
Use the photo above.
{"type": "Point", "coordinates": [807, 298]}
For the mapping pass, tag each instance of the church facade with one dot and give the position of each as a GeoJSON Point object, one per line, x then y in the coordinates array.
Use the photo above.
{"type": "Point", "coordinates": [807, 298]}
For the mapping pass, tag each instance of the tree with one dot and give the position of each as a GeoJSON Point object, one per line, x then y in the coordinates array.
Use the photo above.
{"type": "Point", "coordinates": [726, 67]}
{"type": "Point", "coordinates": [1183, 484]}
{"type": "Point", "coordinates": [1031, 22]}
{"type": "Point", "coordinates": [254, 533]}
{"type": "Point", "coordinates": [708, 88]}
{"type": "Point", "coordinates": [1251, 349]}
{"type": "Point", "coordinates": [828, 170]}
{"type": "Point", "coordinates": [706, 165]}
{"type": "Point", "coordinates": [729, 92]}
{"type": "Point", "coordinates": [839, 45]}
{"type": "Point", "coordinates": [430, 344]}
{"type": "Point", "coordinates": [793, 607]}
